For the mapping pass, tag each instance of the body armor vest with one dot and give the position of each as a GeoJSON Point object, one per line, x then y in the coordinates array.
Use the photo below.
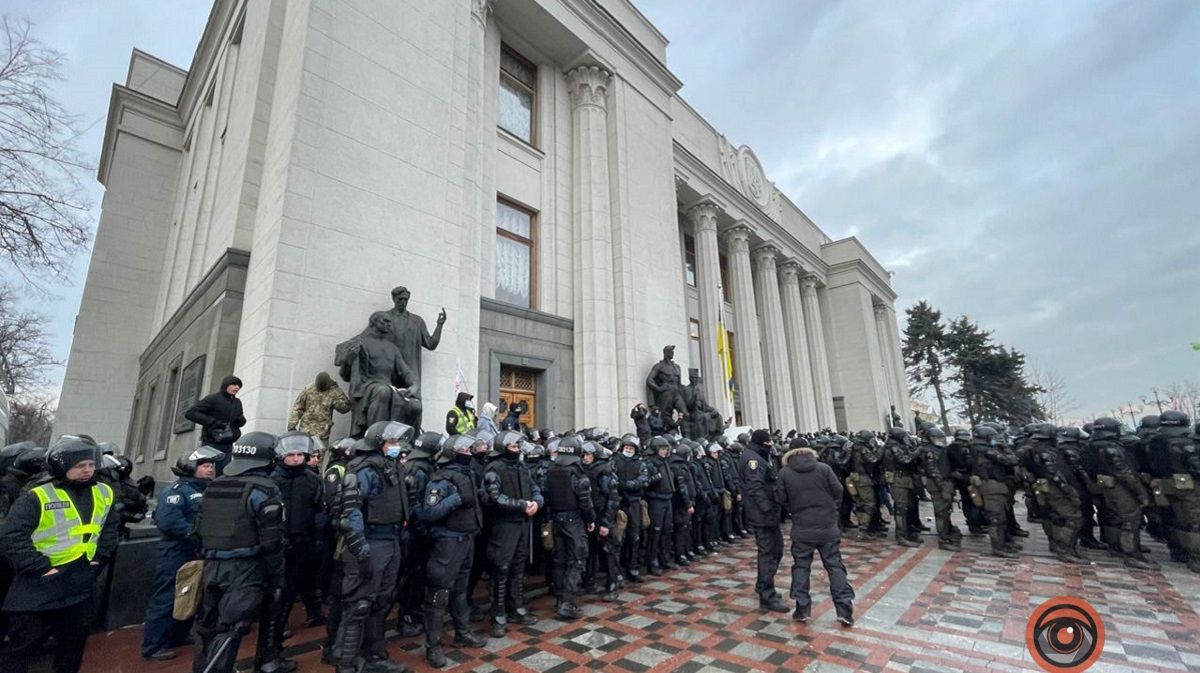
{"type": "Point", "coordinates": [986, 468]}
{"type": "Point", "coordinates": [680, 467]}
{"type": "Point", "coordinates": [468, 518]}
{"type": "Point", "coordinates": [299, 493]}
{"type": "Point", "coordinates": [560, 495]}
{"type": "Point", "coordinates": [666, 485]}
{"type": "Point", "coordinates": [515, 480]}
{"type": "Point", "coordinates": [627, 469]}
{"type": "Point", "coordinates": [1179, 452]}
{"type": "Point", "coordinates": [390, 505]}
{"type": "Point", "coordinates": [596, 473]}
{"type": "Point", "coordinates": [226, 522]}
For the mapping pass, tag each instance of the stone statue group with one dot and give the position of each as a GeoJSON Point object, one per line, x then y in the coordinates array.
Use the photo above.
{"type": "Point", "coordinates": [698, 419]}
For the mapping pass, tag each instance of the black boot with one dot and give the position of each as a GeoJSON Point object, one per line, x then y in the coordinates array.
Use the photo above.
{"type": "Point", "coordinates": [499, 588]}
{"type": "Point", "coordinates": [435, 618]}
{"type": "Point", "coordinates": [519, 614]}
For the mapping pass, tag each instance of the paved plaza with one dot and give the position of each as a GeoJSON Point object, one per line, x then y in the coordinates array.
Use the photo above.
{"type": "Point", "coordinates": [918, 611]}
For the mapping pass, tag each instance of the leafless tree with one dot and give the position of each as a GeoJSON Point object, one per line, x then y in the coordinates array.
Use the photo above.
{"type": "Point", "coordinates": [30, 419]}
{"type": "Point", "coordinates": [1055, 397]}
{"type": "Point", "coordinates": [1183, 396]}
{"type": "Point", "coordinates": [44, 216]}
{"type": "Point", "coordinates": [25, 355]}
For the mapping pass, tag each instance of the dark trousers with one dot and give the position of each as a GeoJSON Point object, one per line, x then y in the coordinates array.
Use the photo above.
{"type": "Point", "coordinates": [631, 544]}
{"type": "Point", "coordinates": [682, 525]}
{"type": "Point", "coordinates": [507, 550]}
{"type": "Point", "coordinates": [28, 630]}
{"type": "Point", "coordinates": [662, 527]}
{"type": "Point", "coordinates": [570, 554]}
{"type": "Point", "coordinates": [769, 543]}
{"type": "Point", "coordinates": [831, 558]}
{"type": "Point", "coordinates": [162, 631]}
{"type": "Point", "coordinates": [233, 595]}
{"type": "Point", "coordinates": [302, 567]}
{"type": "Point", "coordinates": [446, 579]}
{"type": "Point", "coordinates": [368, 587]}
{"type": "Point", "coordinates": [410, 590]}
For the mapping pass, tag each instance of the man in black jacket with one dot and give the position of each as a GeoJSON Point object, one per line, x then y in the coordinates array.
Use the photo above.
{"type": "Point", "coordinates": [56, 557]}
{"type": "Point", "coordinates": [758, 475]}
{"type": "Point", "coordinates": [513, 498]}
{"type": "Point", "coordinates": [569, 500]}
{"type": "Point", "coordinates": [220, 418]}
{"type": "Point", "coordinates": [812, 495]}
{"type": "Point", "coordinates": [303, 505]}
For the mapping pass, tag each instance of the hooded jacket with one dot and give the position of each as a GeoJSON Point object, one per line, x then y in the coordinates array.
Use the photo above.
{"type": "Point", "coordinates": [460, 407]}
{"type": "Point", "coordinates": [812, 494]}
{"type": "Point", "coordinates": [312, 412]}
{"type": "Point", "coordinates": [217, 409]}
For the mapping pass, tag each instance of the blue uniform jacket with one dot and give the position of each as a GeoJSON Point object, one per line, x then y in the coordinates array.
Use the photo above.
{"type": "Point", "coordinates": [176, 513]}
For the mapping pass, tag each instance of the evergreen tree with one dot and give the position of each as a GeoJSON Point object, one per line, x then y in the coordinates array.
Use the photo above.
{"type": "Point", "coordinates": [991, 378]}
{"type": "Point", "coordinates": [924, 353]}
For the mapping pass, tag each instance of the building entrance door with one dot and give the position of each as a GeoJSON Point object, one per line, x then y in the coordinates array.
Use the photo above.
{"type": "Point", "coordinates": [520, 385]}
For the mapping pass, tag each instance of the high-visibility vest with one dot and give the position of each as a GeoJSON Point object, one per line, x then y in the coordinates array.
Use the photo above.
{"type": "Point", "coordinates": [60, 534]}
{"type": "Point", "coordinates": [464, 420]}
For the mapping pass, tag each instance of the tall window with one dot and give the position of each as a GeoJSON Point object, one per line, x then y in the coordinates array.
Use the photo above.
{"type": "Point", "coordinates": [689, 259]}
{"type": "Point", "coordinates": [514, 255]}
{"type": "Point", "coordinates": [694, 343]}
{"type": "Point", "coordinates": [725, 289]}
{"type": "Point", "coordinates": [518, 91]}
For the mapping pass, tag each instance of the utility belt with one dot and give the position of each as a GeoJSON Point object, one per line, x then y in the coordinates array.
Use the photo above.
{"type": "Point", "coordinates": [898, 479]}
{"type": "Point", "coordinates": [1176, 485]}
{"type": "Point", "coordinates": [1041, 489]}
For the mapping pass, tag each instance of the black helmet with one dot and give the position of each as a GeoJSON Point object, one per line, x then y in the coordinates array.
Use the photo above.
{"type": "Point", "coordinates": [591, 448]}
{"type": "Point", "coordinates": [427, 445]}
{"type": "Point", "coordinates": [682, 450]}
{"type": "Point", "coordinates": [898, 434]}
{"type": "Point", "coordinates": [552, 445]}
{"type": "Point", "coordinates": [658, 442]}
{"type": "Point", "coordinates": [714, 448]}
{"type": "Point", "coordinates": [533, 451]}
{"type": "Point", "coordinates": [985, 434]}
{"type": "Point", "coordinates": [382, 432]}
{"type": "Point", "coordinates": [798, 442]}
{"type": "Point", "coordinates": [252, 451]}
{"type": "Point", "coordinates": [126, 468]}
{"type": "Point", "coordinates": [1106, 428]}
{"type": "Point", "coordinates": [595, 434]}
{"type": "Point", "coordinates": [962, 434]}
{"type": "Point", "coordinates": [864, 436]}
{"type": "Point", "coordinates": [343, 448]}
{"type": "Point", "coordinates": [1070, 435]}
{"type": "Point", "coordinates": [936, 436]}
{"type": "Point", "coordinates": [743, 438]}
{"type": "Point", "coordinates": [109, 467]}
{"type": "Point", "coordinates": [8, 455]}
{"type": "Point", "coordinates": [188, 462]}
{"type": "Point", "coordinates": [67, 451]}
{"type": "Point", "coordinates": [1129, 439]}
{"type": "Point", "coordinates": [569, 449]}
{"type": "Point", "coordinates": [629, 440]}
{"type": "Point", "coordinates": [293, 442]}
{"type": "Point", "coordinates": [1174, 423]}
{"type": "Point", "coordinates": [455, 444]}
{"type": "Point", "coordinates": [108, 448]}
{"type": "Point", "coordinates": [1045, 431]}
{"type": "Point", "coordinates": [31, 461]}
{"type": "Point", "coordinates": [1152, 421]}
{"type": "Point", "coordinates": [505, 439]}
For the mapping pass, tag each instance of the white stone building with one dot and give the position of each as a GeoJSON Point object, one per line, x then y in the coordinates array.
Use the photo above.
{"type": "Point", "coordinates": [526, 164]}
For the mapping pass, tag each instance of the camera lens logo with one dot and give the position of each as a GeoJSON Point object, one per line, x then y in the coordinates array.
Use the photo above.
{"type": "Point", "coordinates": [1065, 635]}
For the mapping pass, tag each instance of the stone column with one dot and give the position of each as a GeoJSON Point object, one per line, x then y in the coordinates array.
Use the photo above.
{"type": "Point", "coordinates": [708, 282]}
{"type": "Point", "coordinates": [823, 391]}
{"type": "Point", "coordinates": [776, 365]}
{"type": "Point", "coordinates": [748, 366]}
{"type": "Point", "coordinates": [896, 357]}
{"type": "Point", "coordinates": [797, 342]}
{"type": "Point", "coordinates": [591, 218]}
{"type": "Point", "coordinates": [885, 358]}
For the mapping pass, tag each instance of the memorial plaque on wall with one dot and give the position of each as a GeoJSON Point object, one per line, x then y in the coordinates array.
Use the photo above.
{"type": "Point", "coordinates": [189, 393]}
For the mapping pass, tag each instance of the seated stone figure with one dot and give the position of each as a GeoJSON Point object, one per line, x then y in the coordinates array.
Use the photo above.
{"type": "Point", "coordinates": [382, 385]}
{"type": "Point", "coordinates": [702, 420]}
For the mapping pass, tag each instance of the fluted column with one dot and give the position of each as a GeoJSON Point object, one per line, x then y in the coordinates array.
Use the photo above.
{"type": "Point", "coordinates": [823, 391]}
{"type": "Point", "coordinates": [885, 358]}
{"type": "Point", "coordinates": [797, 342]}
{"type": "Point", "coordinates": [776, 367]}
{"type": "Point", "coordinates": [893, 331]}
{"type": "Point", "coordinates": [591, 219]}
{"type": "Point", "coordinates": [749, 366]}
{"type": "Point", "coordinates": [708, 282]}
{"type": "Point", "coordinates": [889, 352]}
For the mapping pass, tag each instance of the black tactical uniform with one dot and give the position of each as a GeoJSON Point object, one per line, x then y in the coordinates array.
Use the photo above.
{"type": "Point", "coordinates": [728, 467]}
{"type": "Point", "coordinates": [1056, 488]}
{"type": "Point", "coordinates": [303, 505]}
{"type": "Point", "coordinates": [938, 472]}
{"type": "Point", "coordinates": [707, 503]}
{"type": "Point", "coordinates": [866, 453]}
{"type": "Point", "coordinates": [1180, 490]}
{"type": "Point", "coordinates": [569, 500]}
{"type": "Point", "coordinates": [633, 477]}
{"type": "Point", "coordinates": [659, 496]}
{"type": "Point", "coordinates": [991, 471]}
{"type": "Point", "coordinates": [759, 477]}
{"type": "Point", "coordinates": [900, 466]}
{"type": "Point", "coordinates": [240, 525]}
{"type": "Point", "coordinates": [962, 467]}
{"type": "Point", "coordinates": [1121, 492]}
{"type": "Point", "coordinates": [510, 490]}
{"type": "Point", "coordinates": [1071, 448]}
{"type": "Point", "coordinates": [603, 549]}
{"type": "Point", "coordinates": [683, 507]}
{"type": "Point", "coordinates": [410, 591]}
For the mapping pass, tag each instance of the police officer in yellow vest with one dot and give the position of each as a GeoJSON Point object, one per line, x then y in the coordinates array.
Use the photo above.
{"type": "Point", "coordinates": [461, 418]}
{"type": "Point", "coordinates": [57, 538]}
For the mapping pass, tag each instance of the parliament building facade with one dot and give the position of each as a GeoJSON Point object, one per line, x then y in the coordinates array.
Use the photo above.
{"type": "Point", "coordinates": [526, 164]}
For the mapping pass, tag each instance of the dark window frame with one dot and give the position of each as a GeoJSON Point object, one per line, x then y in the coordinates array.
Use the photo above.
{"type": "Point", "coordinates": [532, 90]}
{"type": "Point", "coordinates": [530, 242]}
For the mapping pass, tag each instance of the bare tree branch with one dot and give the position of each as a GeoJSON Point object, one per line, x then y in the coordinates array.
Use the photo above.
{"type": "Point", "coordinates": [25, 354]}
{"type": "Point", "coordinates": [44, 215]}
{"type": "Point", "coordinates": [1055, 397]}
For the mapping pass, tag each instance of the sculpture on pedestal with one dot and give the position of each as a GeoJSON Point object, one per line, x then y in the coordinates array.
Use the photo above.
{"type": "Point", "coordinates": [382, 385]}
{"type": "Point", "coordinates": [702, 422]}
{"type": "Point", "coordinates": [665, 384]}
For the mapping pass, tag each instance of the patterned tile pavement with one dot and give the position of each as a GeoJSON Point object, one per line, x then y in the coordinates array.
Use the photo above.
{"type": "Point", "coordinates": [918, 611]}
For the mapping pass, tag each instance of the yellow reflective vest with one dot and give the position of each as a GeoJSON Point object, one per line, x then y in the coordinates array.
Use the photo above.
{"type": "Point", "coordinates": [61, 535]}
{"type": "Point", "coordinates": [464, 420]}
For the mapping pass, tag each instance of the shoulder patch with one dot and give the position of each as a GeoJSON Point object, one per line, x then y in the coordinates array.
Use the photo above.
{"type": "Point", "coordinates": [753, 464]}
{"type": "Point", "coordinates": [174, 499]}
{"type": "Point", "coordinates": [435, 496]}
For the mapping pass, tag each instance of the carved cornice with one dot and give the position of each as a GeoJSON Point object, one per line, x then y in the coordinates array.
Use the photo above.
{"type": "Point", "coordinates": [588, 85]}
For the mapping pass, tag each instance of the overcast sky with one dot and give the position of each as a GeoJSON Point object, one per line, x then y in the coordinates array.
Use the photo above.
{"type": "Point", "coordinates": [1033, 165]}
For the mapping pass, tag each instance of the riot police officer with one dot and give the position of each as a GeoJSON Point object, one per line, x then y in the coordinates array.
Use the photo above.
{"type": "Point", "coordinates": [992, 460]}
{"type": "Point", "coordinates": [340, 454]}
{"type": "Point", "coordinates": [660, 492]}
{"type": "Point", "coordinates": [707, 502]}
{"type": "Point", "coordinates": [961, 468]}
{"type": "Point", "coordinates": [55, 556]}
{"type": "Point", "coordinates": [418, 470]}
{"type": "Point", "coordinates": [1056, 488]}
{"type": "Point", "coordinates": [1180, 490]}
{"type": "Point", "coordinates": [900, 465]}
{"type": "Point", "coordinates": [513, 500]}
{"type": "Point", "coordinates": [935, 465]}
{"type": "Point", "coordinates": [452, 511]}
{"type": "Point", "coordinates": [373, 509]}
{"type": "Point", "coordinates": [633, 477]}
{"type": "Point", "coordinates": [175, 516]}
{"type": "Point", "coordinates": [1069, 444]}
{"type": "Point", "coordinates": [603, 549]}
{"type": "Point", "coordinates": [866, 454]}
{"type": "Point", "coordinates": [759, 475]}
{"type": "Point", "coordinates": [683, 507]}
{"type": "Point", "coordinates": [569, 500]}
{"type": "Point", "coordinates": [728, 466]}
{"type": "Point", "coordinates": [1122, 495]}
{"type": "Point", "coordinates": [711, 463]}
{"type": "Point", "coordinates": [240, 525]}
{"type": "Point", "coordinates": [303, 507]}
